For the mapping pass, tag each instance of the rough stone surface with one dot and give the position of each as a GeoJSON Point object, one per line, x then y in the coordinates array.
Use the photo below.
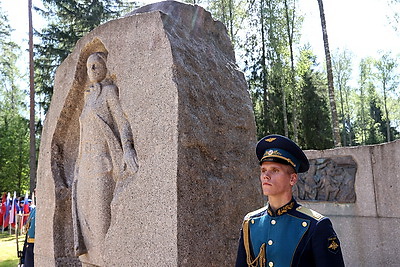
{"type": "Point", "coordinates": [193, 131]}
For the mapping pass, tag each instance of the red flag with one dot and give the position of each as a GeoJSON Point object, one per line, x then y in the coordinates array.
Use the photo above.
{"type": "Point", "coordinates": [3, 208]}
{"type": "Point", "coordinates": [6, 211]}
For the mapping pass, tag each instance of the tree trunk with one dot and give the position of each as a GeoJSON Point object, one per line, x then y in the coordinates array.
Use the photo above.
{"type": "Point", "coordinates": [343, 116]}
{"type": "Point", "coordinates": [331, 90]}
{"type": "Point", "coordinates": [386, 112]}
{"type": "Point", "coordinates": [289, 29]}
{"type": "Point", "coordinates": [231, 19]}
{"type": "Point", "coordinates": [32, 153]}
{"type": "Point", "coordinates": [264, 70]}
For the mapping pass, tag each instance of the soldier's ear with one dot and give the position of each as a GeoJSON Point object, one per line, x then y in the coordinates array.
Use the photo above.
{"type": "Point", "coordinates": [293, 179]}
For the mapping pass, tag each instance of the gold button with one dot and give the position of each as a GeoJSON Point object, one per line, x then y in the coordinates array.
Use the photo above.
{"type": "Point", "coordinates": [252, 221]}
{"type": "Point", "coordinates": [304, 224]}
{"type": "Point", "coordinates": [270, 242]}
{"type": "Point", "coordinates": [273, 222]}
{"type": "Point", "coordinates": [270, 264]}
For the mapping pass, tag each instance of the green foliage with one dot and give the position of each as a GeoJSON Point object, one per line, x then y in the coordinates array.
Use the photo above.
{"type": "Point", "coordinates": [278, 97]}
{"type": "Point", "coordinates": [261, 35]}
{"type": "Point", "coordinates": [341, 64]}
{"type": "Point", "coordinates": [14, 154]}
{"type": "Point", "coordinates": [316, 132]}
{"type": "Point", "coordinates": [363, 113]}
{"type": "Point", "coordinates": [388, 80]}
{"type": "Point", "coordinates": [367, 104]}
{"type": "Point", "coordinates": [315, 114]}
{"type": "Point", "coordinates": [267, 64]}
{"type": "Point", "coordinates": [14, 128]}
{"type": "Point", "coordinates": [68, 21]}
{"type": "Point", "coordinates": [232, 13]}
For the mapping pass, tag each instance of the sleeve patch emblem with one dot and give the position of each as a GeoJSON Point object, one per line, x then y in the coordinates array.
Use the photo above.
{"type": "Point", "coordinates": [333, 244]}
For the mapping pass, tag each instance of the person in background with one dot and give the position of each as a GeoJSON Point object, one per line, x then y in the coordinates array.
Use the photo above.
{"type": "Point", "coordinates": [30, 239]}
{"type": "Point", "coordinates": [20, 207]}
{"type": "Point", "coordinates": [284, 233]}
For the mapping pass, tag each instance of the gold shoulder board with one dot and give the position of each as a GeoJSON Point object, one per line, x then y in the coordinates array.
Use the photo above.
{"type": "Point", "coordinates": [310, 212]}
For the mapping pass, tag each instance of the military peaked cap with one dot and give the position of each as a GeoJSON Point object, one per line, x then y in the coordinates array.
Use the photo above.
{"type": "Point", "coordinates": [278, 148]}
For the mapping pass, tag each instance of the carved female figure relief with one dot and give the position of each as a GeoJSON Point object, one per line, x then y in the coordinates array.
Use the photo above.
{"type": "Point", "coordinates": [106, 156]}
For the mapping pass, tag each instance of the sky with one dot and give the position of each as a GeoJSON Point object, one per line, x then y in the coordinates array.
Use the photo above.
{"type": "Point", "coordinates": [361, 26]}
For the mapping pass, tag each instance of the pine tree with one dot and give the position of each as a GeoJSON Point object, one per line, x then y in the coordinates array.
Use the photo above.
{"type": "Point", "coordinates": [315, 130]}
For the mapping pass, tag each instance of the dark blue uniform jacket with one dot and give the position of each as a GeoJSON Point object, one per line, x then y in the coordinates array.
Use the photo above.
{"type": "Point", "coordinates": [292, 236]}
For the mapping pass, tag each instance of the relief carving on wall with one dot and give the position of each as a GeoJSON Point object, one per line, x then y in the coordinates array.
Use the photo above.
{"type": "Point", "coordinates": [328, 179]}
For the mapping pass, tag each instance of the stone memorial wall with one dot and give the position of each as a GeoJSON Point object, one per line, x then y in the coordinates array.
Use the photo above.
{"type": "Point", "coordinates": [369, 226]}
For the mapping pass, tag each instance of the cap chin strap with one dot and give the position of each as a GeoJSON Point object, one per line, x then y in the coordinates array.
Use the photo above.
{"type": "Point", "coordinates": [260, 260]}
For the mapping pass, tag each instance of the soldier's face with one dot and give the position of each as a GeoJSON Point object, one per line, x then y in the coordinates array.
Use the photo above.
{"type": "Point", "coordinates": [277, 179]}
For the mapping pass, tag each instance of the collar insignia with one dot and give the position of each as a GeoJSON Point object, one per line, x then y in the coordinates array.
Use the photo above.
{"type": "Point", "coordinates": [282, 210]}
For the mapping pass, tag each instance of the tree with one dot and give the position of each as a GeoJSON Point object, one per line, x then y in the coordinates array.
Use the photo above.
{"type": "Point", "coordinates": [14, 155]}
{"type": "Point", "coordinates": [331, 90]}
{"type": "Point", "coordinates": [267, 66]}
{"type": "Point", "coordinates": [290, 25]}
{"type": "Point", "coordinates": [341, 63]}
{"type": "Point", "coordinates": [69, 20]}
{"type": "Point", "coordinates": [232, 13]}
{"type": "Point", "coordinates": [316, 132]}
{"type": "Point", "coordinates": [388, 77]}
{"type": "Point", "coordinates": [365, 85]}
{"type": "Point", "coordinates": [14, 138]}
{"type": "Point", "coordinates": [376, 133]}
{"type": "Point", "coordinates": [32, 130]}
{"type": "Point", "coordinates": [394, 19]}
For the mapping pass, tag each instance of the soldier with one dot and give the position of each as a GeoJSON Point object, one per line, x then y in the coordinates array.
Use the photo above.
{"type": "Point", "coordinates": [284, 233]}
{"type": "Point", "coordinates": [28, 257]}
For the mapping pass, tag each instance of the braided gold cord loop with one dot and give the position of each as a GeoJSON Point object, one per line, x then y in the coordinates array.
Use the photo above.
{"type": "Point", "coordinates": [260, 260]}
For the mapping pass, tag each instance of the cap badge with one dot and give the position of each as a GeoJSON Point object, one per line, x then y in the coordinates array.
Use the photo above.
{"type": "Point", "coordinates": [269, 140]}
{"type": "Point", "coordinates": [272, 152]}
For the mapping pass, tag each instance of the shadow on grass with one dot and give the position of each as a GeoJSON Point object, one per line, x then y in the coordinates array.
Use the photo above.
{"type": "Point", "coordinates": [6, 237]}
{"type": "Point", "coordinates": [9, 263]}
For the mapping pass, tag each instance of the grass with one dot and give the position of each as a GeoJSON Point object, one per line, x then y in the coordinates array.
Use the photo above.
{"type": "Point", "coordinates": [8, 249]}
